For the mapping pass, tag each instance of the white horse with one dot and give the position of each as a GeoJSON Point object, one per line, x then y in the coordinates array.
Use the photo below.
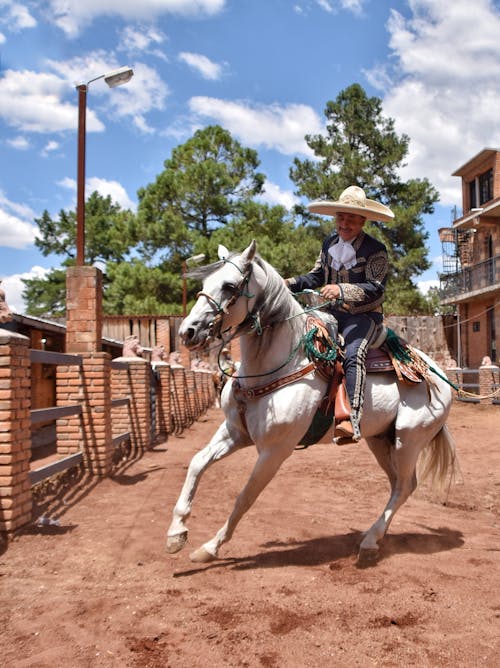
{"type": "Point", "coordinates": [244, 296]}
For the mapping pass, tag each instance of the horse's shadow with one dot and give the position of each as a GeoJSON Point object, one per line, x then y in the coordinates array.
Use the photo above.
{"type": "Point", "coordinates": [333, 549]}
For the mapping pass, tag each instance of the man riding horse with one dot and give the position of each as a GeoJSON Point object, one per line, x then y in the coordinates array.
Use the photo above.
{"type": "Point", "coordinates": [352, 271]}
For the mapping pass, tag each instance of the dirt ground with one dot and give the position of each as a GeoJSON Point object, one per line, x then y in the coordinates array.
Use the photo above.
{"type": "Point", "coordinates": [100, 589]}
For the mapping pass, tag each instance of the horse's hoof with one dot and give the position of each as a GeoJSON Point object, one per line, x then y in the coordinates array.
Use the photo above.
{"type": "Point", "coordinates": [177, 542]}
{"type": "Point", "coordinates": [367, 557]}
{"type": "Point", "coordinates": [202, 556]}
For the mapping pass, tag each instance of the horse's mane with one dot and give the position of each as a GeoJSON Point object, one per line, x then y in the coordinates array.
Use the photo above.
{"type": "Point", "coordinates": [276, 303]}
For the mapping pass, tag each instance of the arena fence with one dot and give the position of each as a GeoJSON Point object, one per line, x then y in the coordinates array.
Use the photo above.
{"type": "Point", "coordinates": [106, 412]}
{"type": "Point", "coordinates": [481, 385]}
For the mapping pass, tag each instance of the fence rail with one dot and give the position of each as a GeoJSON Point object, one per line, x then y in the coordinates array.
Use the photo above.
{"type": "Point", "coordinates": [106, 412]}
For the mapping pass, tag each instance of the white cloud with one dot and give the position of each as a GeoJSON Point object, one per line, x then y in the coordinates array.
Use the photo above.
{"type": "Point", "coordinates": [354, 6]}
{"type": "Point", "coordinates": [21, 143]}
{"type": "Point", "coordinates": [273, 195]}
{"type": "Point", "coordinates": [142, 40]}
{"type": "Point", "coordinates": [330, 6]}
{"type": "Point", "coordinates": [72, 15]}
{"type": "Point", "coordinates": [16, 16]}
{"type": "Point", "coordinates": [2, 38]}
{"type": "Point", "coordinates": [275, 126]}
{"type": "Point", "coordinates": [50, 147]}
{"type": "Point", "coordinates": [425, 286]}
{"type": "Point", "coordinates": [442, 91]}
{"type": "Point", "coordinates": [14, 287]}
{"type": "Point", "coordinates": [112, 188]}
{"type": "Point", "coordinates": [33, 102]}
{"type": "Point", "coordinates": [202, 64]}
{"type": "Point", "coordinates": [145, 91]}
{"type": "Point", "coordinates": [16, 229]}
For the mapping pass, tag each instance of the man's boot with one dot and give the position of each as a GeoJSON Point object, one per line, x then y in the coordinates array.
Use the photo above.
{"type": "Point", "coordinates": [347, 431]}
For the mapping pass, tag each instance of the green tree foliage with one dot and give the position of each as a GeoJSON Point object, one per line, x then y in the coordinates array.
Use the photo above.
{"type": "Point", "coordinates": [109, 234]}
{"type": "Point", "coordinates": [279, 240]}
{"type": "Point", "coordinates": [204, 185]}
{"type": "Point", "coordinates": [46, 296]}
{"type": "Point", "coordinates": [361, 148]}
{"type": "Point", "coordinates": [133, 288]}
{"type": "Point", "coordinates": [108, 231]}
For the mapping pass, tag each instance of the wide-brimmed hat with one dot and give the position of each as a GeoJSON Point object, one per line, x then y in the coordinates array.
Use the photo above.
{"type": "Point", "coordinates": [353, 200]}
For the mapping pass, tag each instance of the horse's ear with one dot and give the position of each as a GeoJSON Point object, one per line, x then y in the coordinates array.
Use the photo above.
{"type": "Point", "coordinates": [249, 252]}
{"type": "Point", "coordinates": [222, 252]}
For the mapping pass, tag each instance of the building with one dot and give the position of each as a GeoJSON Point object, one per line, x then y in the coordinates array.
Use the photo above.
{"type": "Point", "coordinates": [471, 260]}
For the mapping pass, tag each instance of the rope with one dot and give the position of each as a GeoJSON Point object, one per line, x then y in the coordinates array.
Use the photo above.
{"type": "Point", "coordinates": [405, 354]}
{"type": "Point", "coordinates": [329, 356]}
{"type": "Point", "coordinates": [266, 373]}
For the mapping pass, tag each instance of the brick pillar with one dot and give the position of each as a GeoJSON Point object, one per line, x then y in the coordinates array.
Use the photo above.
{"type": "Point", "coordinates": [140, 402]}
{"type": "Point", "coordinates": [201, 389]}
{"type": "Point", "coordinates": [488, 379]}
{"type": "Point", "coordinates": [84, 310]}
{"type": "Point", "coordinates": [98, 441]}
{"type": "Point", "coordinates": [191, 412]}
{"type": "Point", "coordinates": [15, 431]}
{"type": "Point", "coordinates": [69, 390]}
{"type": "Point", "coordinates": [120, 389]}
{"type": "Point", "coordinates": [201, 401]}
{"type": "Point", "coordinates": [163, 399]}
{"type": "Point", "coordinates": [179, 396]}
{"type": "Point", "coordinates": [211, 388]}
{"type": "Point", "coordinates": [89, 385]}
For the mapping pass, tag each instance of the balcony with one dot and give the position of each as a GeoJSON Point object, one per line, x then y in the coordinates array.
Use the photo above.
{"type": "Point", "coordinates": [483, 277]}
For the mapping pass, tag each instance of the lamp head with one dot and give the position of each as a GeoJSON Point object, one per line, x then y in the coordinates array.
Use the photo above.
{"type": "Point", "coordinates": [119, 77]}
{"type": "Point", "coordinates": [195, 259]}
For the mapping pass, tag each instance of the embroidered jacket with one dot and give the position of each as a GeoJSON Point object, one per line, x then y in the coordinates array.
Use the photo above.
{"type": "Point", "coordinates": [362, 286]}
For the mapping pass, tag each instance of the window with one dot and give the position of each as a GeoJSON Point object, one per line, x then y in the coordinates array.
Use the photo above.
{"type": "Point", "coordinates": [472, 194]}
{"type": "Point", "coordinates": [476, 326]}
{"type": "Point", "coordinates": [486, 186]}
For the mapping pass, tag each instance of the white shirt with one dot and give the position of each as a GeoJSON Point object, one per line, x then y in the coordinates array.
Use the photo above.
{"type": "Point", "coordinates": [343, 254]}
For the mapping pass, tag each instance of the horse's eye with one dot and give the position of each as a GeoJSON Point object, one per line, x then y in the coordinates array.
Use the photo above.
{"type": "Point", "coordinates": [229, 288]}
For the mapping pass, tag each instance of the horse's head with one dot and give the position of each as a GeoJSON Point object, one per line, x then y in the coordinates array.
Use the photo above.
{"type": "Point", "coordinates": [225, 300]}
{"type": "Point", "coordinates": [132, 347]}
{"type": "Point", "coordinates": [5, 312]}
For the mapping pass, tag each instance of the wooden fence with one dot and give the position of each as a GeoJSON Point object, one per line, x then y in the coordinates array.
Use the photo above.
{"type": "Point", "coordinates": [106, 411]}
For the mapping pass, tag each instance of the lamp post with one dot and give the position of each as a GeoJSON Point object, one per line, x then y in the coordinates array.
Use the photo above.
{"type": "Point", "coordinates": [194, 259]}
{"type": "Point", "coordinates": [113, 79]}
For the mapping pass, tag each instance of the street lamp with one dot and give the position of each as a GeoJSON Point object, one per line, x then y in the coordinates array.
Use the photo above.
{"type": "Point", "coordinates": [113, 79]}
{"type": "Point", "coordinates": [194, 259]}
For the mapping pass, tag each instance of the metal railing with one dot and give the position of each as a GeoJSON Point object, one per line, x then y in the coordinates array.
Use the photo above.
{"type": "Point", "coordinates": [470, 279]}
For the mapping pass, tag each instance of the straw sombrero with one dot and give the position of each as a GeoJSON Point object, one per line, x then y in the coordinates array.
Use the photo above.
{"type": "Point", "coordinates": [353, 200]}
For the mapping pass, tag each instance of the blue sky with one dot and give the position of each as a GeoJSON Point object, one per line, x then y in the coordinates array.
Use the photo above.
{"type": "Point", "coordinates": [263, 69]}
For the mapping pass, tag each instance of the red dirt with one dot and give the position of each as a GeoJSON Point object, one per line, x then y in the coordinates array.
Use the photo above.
{"type": "Point", "coordinates": [99, 590]}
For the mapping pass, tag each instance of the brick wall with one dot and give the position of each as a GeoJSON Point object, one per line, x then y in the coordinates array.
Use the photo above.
{"type": "Point", "coordinates": [15, 431]}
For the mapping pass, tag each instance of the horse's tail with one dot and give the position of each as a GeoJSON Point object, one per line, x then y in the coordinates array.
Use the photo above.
{"type": "Point", "coordinates": [439, 460]}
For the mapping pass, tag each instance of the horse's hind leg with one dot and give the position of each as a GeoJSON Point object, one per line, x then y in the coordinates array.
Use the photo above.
{"type": "Point", "coordinates": [266, 466]}
{"type": "Point", "coordinates": [381, 447]}
{"type": "Point", "coordinates": [400, 467]}
{"type": "Point", "coordinates": [221, 445]}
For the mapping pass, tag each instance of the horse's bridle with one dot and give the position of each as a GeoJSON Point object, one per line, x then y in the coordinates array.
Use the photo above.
{"type": "Point", "coordinates": [215, 328]}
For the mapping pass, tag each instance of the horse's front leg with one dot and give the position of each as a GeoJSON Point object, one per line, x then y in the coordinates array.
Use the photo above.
{"type": "Point", "coordinates": [266, 466]}
{"type": "Point", "coordinates": [221, 445]}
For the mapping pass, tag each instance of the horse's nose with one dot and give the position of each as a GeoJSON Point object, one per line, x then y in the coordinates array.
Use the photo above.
{"type": "Point", "coordinates": [187, 334]}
